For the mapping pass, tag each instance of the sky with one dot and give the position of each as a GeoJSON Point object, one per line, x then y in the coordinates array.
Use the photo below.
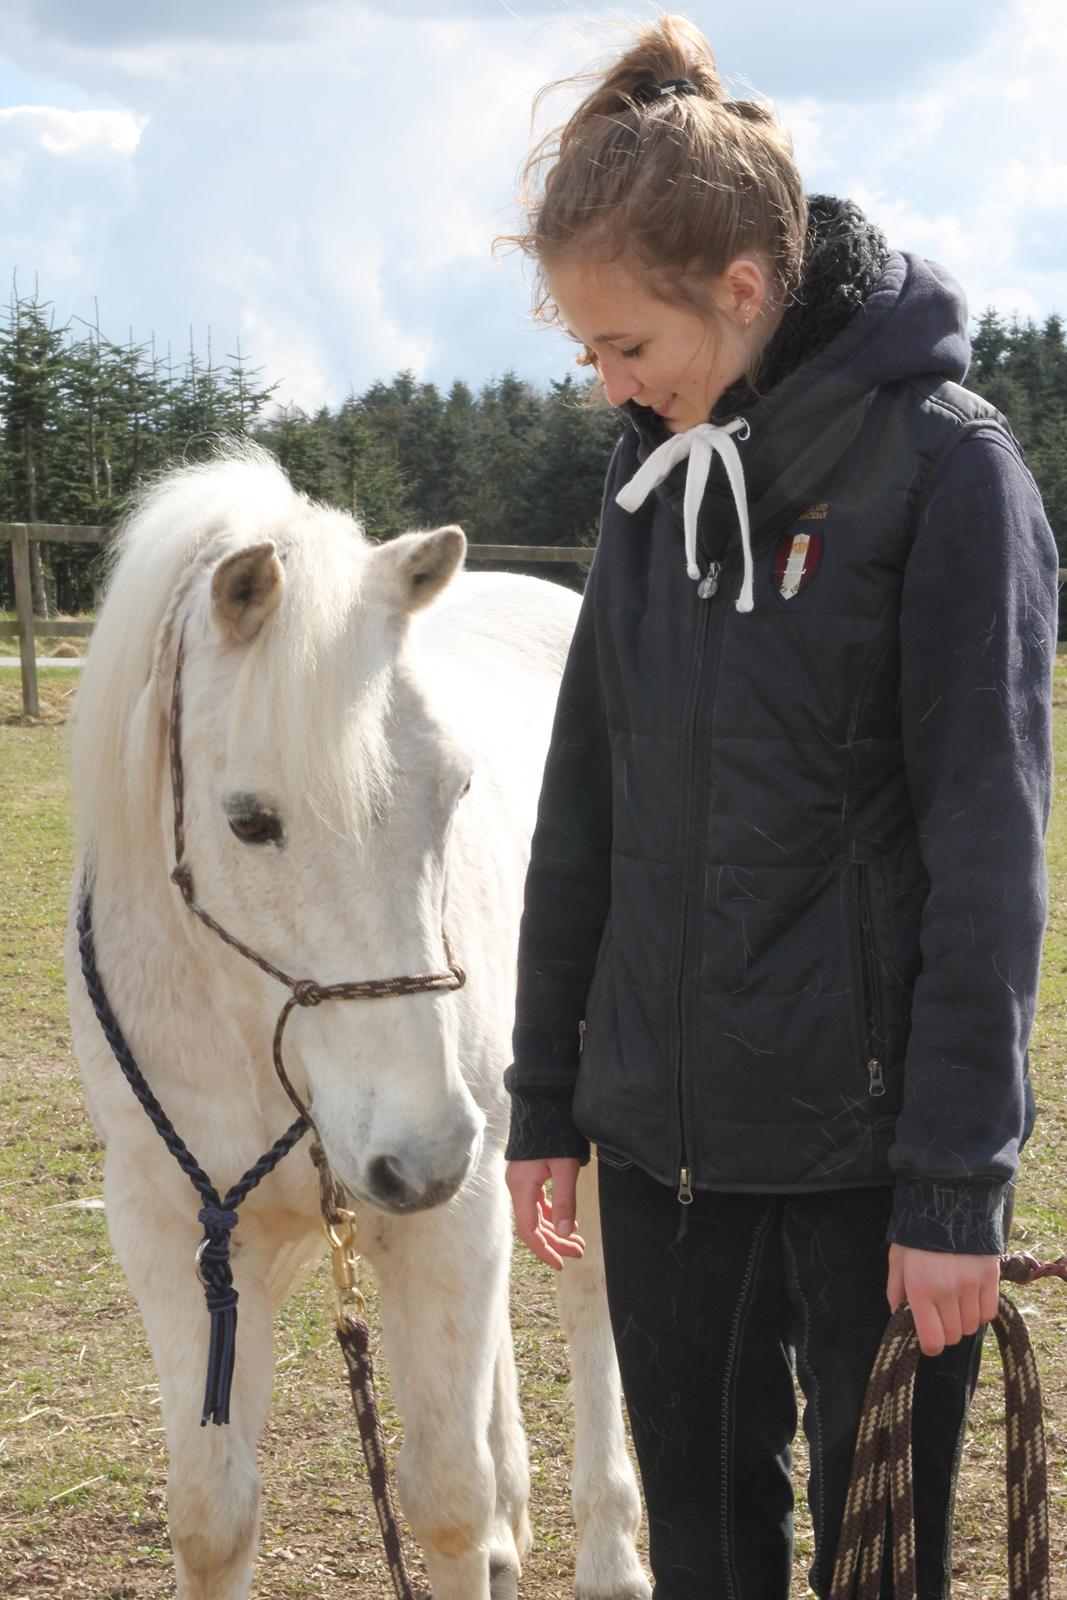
{"type": "Point", "coordinates": [322, 180]}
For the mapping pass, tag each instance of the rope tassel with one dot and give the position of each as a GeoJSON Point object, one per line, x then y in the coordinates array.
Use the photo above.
{"type": "Point", "coordinates": [216, 1275]}
{"type": "Point", "coordinates": [218, 1218]}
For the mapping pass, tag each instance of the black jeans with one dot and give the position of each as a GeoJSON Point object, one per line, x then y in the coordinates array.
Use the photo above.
{"type": "Point", "coordinates": [709, 1305]}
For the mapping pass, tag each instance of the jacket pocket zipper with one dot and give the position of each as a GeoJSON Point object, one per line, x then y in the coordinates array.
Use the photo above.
{"type": "Point", "coordinates": [869, 979]}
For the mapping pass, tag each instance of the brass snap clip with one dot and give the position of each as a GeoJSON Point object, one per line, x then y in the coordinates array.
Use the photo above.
{"type": "Point", "coordinates": [341, 1232]}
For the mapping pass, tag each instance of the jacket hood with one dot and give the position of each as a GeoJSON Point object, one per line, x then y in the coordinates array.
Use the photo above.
{"type": "Point", "coordinates": [912, 326]}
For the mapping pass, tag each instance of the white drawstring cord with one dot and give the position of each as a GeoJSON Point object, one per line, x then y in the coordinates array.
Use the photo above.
{"type": "Point", "coordinates": [699, 445]}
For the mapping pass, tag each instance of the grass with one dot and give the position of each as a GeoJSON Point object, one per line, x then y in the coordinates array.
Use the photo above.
{"type": "Point", "coordinates": [82, 1461]}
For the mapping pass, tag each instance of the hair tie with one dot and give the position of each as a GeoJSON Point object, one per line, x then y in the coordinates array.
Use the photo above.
{"type": "Point", "coordinates": [648, 92]}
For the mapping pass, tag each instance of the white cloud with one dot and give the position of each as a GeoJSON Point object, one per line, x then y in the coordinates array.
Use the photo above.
{"type": "Point", "coordinates": [63, 133]}
{"type": "Point", "coordinates": [967, 173]}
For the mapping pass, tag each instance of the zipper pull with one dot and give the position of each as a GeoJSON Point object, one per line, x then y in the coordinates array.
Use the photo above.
{"type": "Point", "coordinates": [581, 1036]}
{"type": "Point", "coordinates": [874, 1072]}
{"type": "Point", "coordinates": [709, 584]}
{"type": "Point", "coordinates": [685, 1188]}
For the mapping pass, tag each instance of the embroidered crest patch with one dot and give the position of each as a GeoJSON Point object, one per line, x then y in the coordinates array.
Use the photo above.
{"type": "Point", "coordinates": [796, 559]}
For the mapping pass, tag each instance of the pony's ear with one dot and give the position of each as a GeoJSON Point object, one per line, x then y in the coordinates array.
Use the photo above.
{"type": "Point", "coordinates": [414, 568]}
{"type": "Point", "coordinates": [246, 590]}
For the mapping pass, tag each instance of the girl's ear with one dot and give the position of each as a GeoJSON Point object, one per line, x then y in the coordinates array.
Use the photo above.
{"type": "Point", "coordinates": [741, 291]}
{"type": "Point", "coordinates": [410, 571]}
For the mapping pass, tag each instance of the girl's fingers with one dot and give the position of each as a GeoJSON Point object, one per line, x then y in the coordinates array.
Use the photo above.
{"type": "Point", "coordinates": [989, 1297]}
{"type": "Point", "coordinates": [534, 1217]}
{"type": "Point", "coordinates": [527, 1213]}
{"type": "Point", "coordinates": [564, 1197]}
{"type": "Point", "coordinates": [895, 1287]}
{"type": "Point", "coordinates": [928, 1326]}
{"type": "Point", "coordinates": [561, 1244]}
{"type": "Point", "coordinates": [970, 1311]}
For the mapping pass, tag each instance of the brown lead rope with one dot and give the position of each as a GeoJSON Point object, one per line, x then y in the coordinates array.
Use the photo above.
{"type": "Point", "coordinates": [880, 1489]}
{"type": "Point", "coordinates": [353, 1335]}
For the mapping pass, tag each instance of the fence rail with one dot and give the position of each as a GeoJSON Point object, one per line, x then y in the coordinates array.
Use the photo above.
{"type": "Point", "coordinates": [27, 628]}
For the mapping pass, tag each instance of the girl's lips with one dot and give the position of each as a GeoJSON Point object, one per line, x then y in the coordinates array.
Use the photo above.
{"type": "Point", "coordinates": [661, 411]}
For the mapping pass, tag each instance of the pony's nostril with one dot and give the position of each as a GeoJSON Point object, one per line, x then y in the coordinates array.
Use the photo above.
{"type": "Point", "coordinates": [387, 1181]}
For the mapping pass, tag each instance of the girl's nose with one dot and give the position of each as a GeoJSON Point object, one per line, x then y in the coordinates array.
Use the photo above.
{"type": "Point", "coordinates": [620, 384]}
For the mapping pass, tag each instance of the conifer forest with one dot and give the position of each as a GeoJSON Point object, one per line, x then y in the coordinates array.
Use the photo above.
{"type": "Point", "coordinates": [84, 420]}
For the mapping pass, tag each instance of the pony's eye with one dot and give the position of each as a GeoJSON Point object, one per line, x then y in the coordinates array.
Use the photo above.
{"type": "Point", "coordinates": [466, 789]}
{"type": "Point", "coordinates": [256, 827]}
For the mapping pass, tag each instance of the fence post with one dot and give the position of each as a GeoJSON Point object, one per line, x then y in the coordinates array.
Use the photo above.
{"type": "Point", "coordinates": [20, 561]}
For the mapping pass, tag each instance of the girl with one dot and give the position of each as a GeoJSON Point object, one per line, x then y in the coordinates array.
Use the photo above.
{"type": "Point", "coordinates": [783, 918]}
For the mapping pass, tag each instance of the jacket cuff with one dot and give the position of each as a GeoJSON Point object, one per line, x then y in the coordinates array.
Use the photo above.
{"type": "Point", "coordinates": [962, 1218]}
{"type": "Point", "coordinates": [541, 1127]}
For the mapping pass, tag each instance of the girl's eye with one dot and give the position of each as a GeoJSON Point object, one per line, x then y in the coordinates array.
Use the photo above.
{"type": "Point", "coordinates": [636, 351]}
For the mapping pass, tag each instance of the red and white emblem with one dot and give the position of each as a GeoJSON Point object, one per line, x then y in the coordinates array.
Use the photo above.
{"type": "Point", "coordinates": [796, 559]}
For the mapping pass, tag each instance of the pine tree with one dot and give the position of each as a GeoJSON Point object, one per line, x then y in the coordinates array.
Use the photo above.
{"type": "Point", "coordinates": [243, 394]}
{"type": "Point", "coordinates": [368, 481]}
{"type": "Point", "coordinates": [31, 361]}
{"type": "Point", "coordinates": [506, 442]}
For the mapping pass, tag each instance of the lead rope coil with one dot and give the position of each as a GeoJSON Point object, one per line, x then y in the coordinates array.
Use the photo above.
{"type": "Point", "coordinates": [880, 1489]}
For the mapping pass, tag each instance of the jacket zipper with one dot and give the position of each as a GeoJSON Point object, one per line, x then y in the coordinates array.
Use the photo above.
{"type": "Point", "coordinates": [869, 977]}
{"type": "Point", "coordinates": [707, 589]}
{"type": "Point", "coordinates": [709, 583]}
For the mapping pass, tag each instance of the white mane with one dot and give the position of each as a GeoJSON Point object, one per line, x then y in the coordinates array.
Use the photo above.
{"type": "Point", "coordinates": [297, 684]}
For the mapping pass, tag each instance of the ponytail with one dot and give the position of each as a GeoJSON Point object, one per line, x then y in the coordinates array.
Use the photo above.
{"type": "Point", "coordinates": [658, 166]}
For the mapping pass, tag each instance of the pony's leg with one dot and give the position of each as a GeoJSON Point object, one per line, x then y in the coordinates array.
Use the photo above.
{"type": "Point", "coordinates": [604, 1494]}
{"type": "Point", "coordinates": [443, 1277]}
{"type": "Point", "coordinates": [507, 1444]}
{"type": "Point", "coordinates": [212, 1481]}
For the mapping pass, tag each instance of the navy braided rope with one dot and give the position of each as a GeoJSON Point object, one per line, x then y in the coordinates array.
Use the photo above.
{"type": "Point", "coordinates": [218, 1217]}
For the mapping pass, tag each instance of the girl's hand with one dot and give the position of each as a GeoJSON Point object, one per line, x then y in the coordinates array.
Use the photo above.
{"type": "Point", "coordinates": [949, 1295]}
{"type": "Point", "coordinates": [547, 1226]}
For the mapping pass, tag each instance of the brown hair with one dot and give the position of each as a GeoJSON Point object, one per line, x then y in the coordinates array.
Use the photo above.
{"type": "Point", "coordinates": [681, 184]}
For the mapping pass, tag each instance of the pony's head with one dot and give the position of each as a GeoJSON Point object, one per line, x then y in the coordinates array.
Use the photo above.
{"type": "Point", "coordinates": [320, 787]}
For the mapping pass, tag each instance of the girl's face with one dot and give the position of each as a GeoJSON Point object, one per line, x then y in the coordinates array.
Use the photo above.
{"type": "Point", "coordinates": [674, 360]}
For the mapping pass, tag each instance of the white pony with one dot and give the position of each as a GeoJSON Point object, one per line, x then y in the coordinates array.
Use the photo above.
{"type": "Point", "coordinates": [331, 728]}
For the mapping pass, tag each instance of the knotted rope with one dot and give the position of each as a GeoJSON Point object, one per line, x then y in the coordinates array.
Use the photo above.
{"type": "Point", "coordinates": [880, 1490]}
{"type": "Point", "coordinates": [218, 1216]}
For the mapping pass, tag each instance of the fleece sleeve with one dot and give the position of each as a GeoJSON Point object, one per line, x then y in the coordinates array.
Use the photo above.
{"type": "Point", "coordinates": [978, 639]}
{"type": "Point", "coordinates": [568, 891]}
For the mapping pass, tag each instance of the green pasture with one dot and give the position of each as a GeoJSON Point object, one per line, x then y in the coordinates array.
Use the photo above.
{"type": "Point", "coordinates": [82, 1463]}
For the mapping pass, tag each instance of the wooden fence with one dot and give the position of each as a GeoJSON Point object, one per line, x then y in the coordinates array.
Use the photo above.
{"type": "Point", "coordinates": [27, 629]}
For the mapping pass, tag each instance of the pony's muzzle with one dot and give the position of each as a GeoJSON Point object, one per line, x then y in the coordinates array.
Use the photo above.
{"type": "Point", "coordinates": [393, 1187]}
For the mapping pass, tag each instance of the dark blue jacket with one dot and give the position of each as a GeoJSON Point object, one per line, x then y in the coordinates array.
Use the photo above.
{"type": "Point", "coordinates": [787, 881]}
